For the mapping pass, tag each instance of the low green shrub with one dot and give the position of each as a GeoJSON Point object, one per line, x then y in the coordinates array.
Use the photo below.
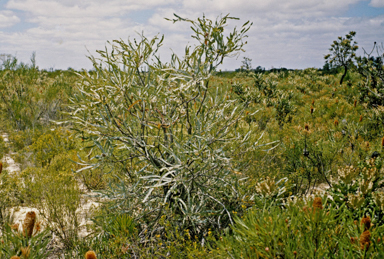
{"type": "Point", "coordinates": [303, 229]}
{"type": "Point", "coordinates": [54, 191]}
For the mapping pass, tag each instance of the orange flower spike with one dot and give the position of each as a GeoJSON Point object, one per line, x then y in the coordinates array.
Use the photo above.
{"type": "Point", "coordinates": [366, 221]}
{"type": "Point", "coordinates": [90, 255]}
{"type": "Point", "coordinates": [336, 123]}
{"type": "Point", "coordinates": [365, 240]}
{"type": "Point", "coordinates": [317, 203]}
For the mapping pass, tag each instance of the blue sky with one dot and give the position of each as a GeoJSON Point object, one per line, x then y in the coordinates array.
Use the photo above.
{"type": "Point", "coordinates": [289, 33]}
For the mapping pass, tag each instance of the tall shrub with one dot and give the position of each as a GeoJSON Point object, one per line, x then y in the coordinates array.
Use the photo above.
{"type": "Point", "coordinates": [166, 129]}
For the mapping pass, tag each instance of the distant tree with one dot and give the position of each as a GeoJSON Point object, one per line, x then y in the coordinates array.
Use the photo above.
{"type": "Point", "coordinates": [246, 64]}
{"type": "Point", "coordinates": [8, 62]}
{"type": "Point", "coordinates": [328, 68]}
{"type": "Point", "coordinates": [260, 69]}
{"type": "Point", "coordinates": [342, 53]}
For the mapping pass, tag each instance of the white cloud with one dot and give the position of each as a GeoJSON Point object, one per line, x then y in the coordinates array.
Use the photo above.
{"type": "Point", "coordinates": [291, 33]}
{"type": "Point", "coordinates": [8, 18]}
{"type": "Point", "coordinates": [377, 3]}
{"type": "Point", "coordinates": [272, 8]}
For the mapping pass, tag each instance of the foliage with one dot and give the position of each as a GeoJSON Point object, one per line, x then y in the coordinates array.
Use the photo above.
{"type": "Point", "coordinates": [10, 196]}
{"type": "Point", "coordinates": [116, 236]}
{"type": "Point", "coordinates": [343, 53]}
{"type": "Point", "coordinates": [179, 150]}
{"type": "Point", "coordinates": [246, 64]}
{"type": "Point", "coordinates": [29, 98]}
{"type": "Point", "coordinates": [50, 144]}
{"type": "Point", "coordinates": [360, 189]}
{"type": "Point", "coordinates": [172, 135]}
{"type": "Point", "coordinates": [265, 91]}
{"type": "Point", "coordinates": [301, 230]}
{"type": "Point", "coordinates": [371, 90]}
{"type": "Point", "coordinates": [15, 242]}
{"type": "Point", "coordinates": [4, 149]}
{"type": "Point", "coordinates": [54, 191]}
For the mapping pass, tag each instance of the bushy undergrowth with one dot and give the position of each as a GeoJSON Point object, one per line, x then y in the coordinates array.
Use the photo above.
{"type": "Point", "coordinates": [303, 229]}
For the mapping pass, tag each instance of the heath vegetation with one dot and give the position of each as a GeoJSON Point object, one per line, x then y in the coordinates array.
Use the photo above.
{"type": "Point", "coordinates": [185, 161]}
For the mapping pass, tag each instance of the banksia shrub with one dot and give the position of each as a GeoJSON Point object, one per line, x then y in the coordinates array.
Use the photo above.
{"type": "Point", "coordinates": [365, 240]}
{"type": "Point", "coordinates": [29, 223]}
{"type": "Point", "coordinates": [90, 255]}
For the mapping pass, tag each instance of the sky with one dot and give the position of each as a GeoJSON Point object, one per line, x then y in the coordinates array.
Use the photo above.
{"type": "Point", "coordinates": [294, 34]}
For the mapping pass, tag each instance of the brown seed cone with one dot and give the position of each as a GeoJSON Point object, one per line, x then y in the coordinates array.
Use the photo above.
{"type": "Point", "coordinates": [306, 127]}
{"type": "Point", "coordinates": [361, 118]}
{"type": "Point", "coordinates": [29, 223]}
{"type": "Point", "coordinates": [354, 103]}
{"type": "Point", "coordinates": [317, 203]}
{"type": "Point", "coordinates": [1, 167]}
{"type": "Point", "coordinates": [366, 221]}
{"type": "Point", "coordinates": [311, 109]}
{"type": "Point", "coordinates": [365, 240]}
{"type": "Point", "coordinates": [90, 255]}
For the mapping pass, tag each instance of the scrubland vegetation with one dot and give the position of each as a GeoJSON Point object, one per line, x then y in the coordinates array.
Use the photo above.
{"type": "Point", "coordinates": [186, 162]}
